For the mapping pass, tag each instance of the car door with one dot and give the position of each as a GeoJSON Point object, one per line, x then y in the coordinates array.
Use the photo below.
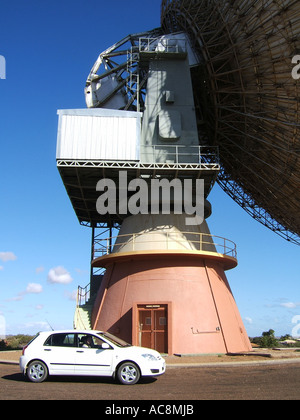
{"type": "Point", "coordinates": [91, 358]}
{"type": "Point", "coordinates": [60, 352]}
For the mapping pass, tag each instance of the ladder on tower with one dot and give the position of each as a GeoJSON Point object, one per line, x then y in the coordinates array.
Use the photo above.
{"type": "Point", "coordinates": [133, 86]}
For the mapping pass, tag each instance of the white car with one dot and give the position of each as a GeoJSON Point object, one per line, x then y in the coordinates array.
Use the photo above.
{"type": "Point", "coordinates": [94, 353]}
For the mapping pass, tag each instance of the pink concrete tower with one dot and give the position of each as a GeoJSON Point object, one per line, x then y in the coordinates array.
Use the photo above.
{"type": "Point", "coordinates": [166, 288]}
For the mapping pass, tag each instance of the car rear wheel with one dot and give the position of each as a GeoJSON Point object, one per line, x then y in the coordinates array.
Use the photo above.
{"type": "Point", "coordinates": [128, 373]}
{"type": "Point", "coordinates": [37, 371]}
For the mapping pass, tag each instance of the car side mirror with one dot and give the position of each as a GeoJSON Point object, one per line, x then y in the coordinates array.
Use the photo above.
{"type": "Point", "coordinates": [105, 346]}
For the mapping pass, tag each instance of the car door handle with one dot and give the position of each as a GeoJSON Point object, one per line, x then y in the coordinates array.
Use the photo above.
{"type": "Point", "coordinates": [79, 351]}
{"type": "Point", "coordinates": [47, 349]}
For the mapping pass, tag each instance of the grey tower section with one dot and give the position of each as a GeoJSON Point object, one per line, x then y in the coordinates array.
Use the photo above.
{"type": "Point", "coordinates": [169, 128]}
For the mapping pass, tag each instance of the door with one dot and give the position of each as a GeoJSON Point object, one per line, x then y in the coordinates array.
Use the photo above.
{"type": "Point", "coordinates": [153, 327]}
{"type": "Point", "coordinates": [59, 352]}
{"type": "Point", "coordinates": [91, 359]}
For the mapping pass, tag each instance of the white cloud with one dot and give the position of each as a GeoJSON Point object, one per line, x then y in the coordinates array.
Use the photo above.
{"type": "Point", "coordinates": [248, 320]}
{"type": "Point", "coordinates": [34, 288]}
{"type": "Point", "coordinates": [16, 298]}
{"type": "Point", "coordinates": [7, 256]}
{"type": "Point", "coordinates": [1, 267]}
{"type": "Point", "coordinates": [59, 275]}
{"type": "Point", "coordinates": [289, 305]}
{"type": "Point", "coordinates": [39, 269]}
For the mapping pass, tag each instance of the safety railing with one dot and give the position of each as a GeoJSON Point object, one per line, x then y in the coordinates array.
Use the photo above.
{"type": "Point", "coordinates": [83, 295]}
{"type": "Point", "coordinates": [180, 154]}
{"type": "Point", "coordinates": [163, 44]}
{"type": "Point", "coordinates": [158, 240]}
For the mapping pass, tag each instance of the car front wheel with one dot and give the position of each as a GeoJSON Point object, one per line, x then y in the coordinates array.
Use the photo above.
{"type": "Point", "coordinates": [37, 371]}
{"type": "Point", "coordinates": [128, 373]}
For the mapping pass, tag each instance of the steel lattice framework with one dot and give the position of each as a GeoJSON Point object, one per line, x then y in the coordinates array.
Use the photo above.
{"type": "Point", "coordinates": [122, 62]}
{"type": "Point", "coordinates": [248, 101]}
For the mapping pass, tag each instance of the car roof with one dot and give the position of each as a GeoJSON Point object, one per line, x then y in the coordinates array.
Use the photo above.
{"type": "Point", "coordinates": [70, 332]}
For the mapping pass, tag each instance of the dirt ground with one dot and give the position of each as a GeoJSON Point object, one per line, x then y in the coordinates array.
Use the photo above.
{"type": "Point", "coordinates": [267, 379]}
{"type": "Point", "coordinates": [260, 375]}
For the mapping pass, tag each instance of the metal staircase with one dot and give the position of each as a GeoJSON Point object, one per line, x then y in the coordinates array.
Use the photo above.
{"type": "Point", "coordinates": [84, 307]}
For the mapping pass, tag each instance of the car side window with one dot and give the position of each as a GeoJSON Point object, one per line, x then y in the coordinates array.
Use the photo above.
{"type": "Point", "coordinates": [61, 340]}
{"type": "Point", "coordinates": [89, 341]}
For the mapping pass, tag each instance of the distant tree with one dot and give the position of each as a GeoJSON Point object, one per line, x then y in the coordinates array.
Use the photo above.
{"type": "Point", "coordinates": [286, 337]}
{"type": "Point", "coordinates": [268, 339]}
{"type": "Point", "coordinates": [18, 341]}
{"type": "Point", "coordinates": [3, 345]}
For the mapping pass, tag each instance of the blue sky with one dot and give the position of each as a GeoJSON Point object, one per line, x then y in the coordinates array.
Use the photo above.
{"type": "Point", "coordinates": [49, 49]}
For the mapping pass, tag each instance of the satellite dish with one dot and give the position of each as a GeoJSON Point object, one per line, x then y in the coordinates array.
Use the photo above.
{"type": "Point", "coordinates": [247, 91]}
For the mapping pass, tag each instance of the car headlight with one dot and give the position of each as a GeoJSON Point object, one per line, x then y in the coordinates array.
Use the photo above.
{"type": "Point", "coordinates": [149, 357]}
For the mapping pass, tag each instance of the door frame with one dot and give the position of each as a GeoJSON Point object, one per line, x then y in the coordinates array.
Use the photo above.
{"type": "Point", "coordinates": [135, 321]}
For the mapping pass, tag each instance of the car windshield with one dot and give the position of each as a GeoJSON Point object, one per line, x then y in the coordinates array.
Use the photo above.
{"type": "Point", "coordinates": [115, 340]}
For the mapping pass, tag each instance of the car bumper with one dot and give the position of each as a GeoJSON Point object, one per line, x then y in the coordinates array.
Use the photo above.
{"type": "Point", "coordinates": [22, 364]}
{"type": "Point", "coordinates": [154, 368]}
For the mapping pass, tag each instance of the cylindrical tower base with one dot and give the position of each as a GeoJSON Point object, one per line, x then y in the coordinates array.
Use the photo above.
{"type": "Point", "coordinates": [175, 300]}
